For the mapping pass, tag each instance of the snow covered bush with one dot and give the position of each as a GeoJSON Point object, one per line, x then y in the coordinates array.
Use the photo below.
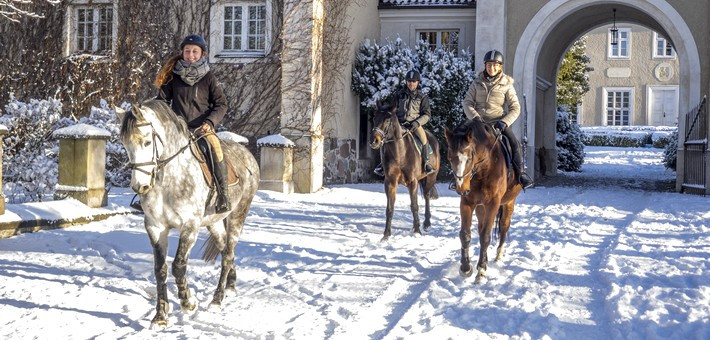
{"type": "Point", "coordinates": [627, 136]}
{"type": "Point", "coordinates": [30, 153]}
{"type": "Point", "coordinates": [570, 149]}
{"type": "Point", "coordinates": [379, 72]}
{"type": "Point", "coordinates": [670, 155]}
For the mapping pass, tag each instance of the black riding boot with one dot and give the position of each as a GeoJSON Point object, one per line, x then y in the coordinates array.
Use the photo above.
{"type": "Point", "coordinates": [379, 171]}
{"type": "Point", "coordinates": [220, 175]}
{"type": "Point", "coordinates": [425, 158]}
{"type": "Point", "coordinates": [520, 174]}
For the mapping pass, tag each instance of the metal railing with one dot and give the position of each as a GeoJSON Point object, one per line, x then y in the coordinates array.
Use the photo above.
{"type": "Point", "coordinates": [695, 148]}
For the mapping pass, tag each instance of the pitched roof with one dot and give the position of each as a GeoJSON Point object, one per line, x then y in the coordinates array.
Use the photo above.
{"type": "Point", "coordinates": [426, 3]}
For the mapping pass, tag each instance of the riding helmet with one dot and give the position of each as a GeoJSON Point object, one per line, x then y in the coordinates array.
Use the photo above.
{"type": "Point", "coordinates": [413, 75]}
{"type": "Point", "coordinates": [493, 55]}
{"type": "Point", "coordinates": [194, 39]}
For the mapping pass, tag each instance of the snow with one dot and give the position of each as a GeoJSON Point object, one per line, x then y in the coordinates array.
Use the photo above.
{"type": "Point", "coordinates": [275, 140]}
{"type": "Point", "coordinates": [3, 129]}
{"type": "Point", "coordinates": [81, 131]}
{"type": "Point", "coordinates": [586, 262]}
{"type": "Point", "coordinates": [231, 136]}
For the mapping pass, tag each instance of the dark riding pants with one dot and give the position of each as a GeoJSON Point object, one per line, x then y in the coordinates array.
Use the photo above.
{"type": "Point", "coordinates": [516, 150]}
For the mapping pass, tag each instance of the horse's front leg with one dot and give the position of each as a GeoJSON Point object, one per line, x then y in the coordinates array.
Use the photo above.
{"type": "Point", "coordinates": [188, 235]}
{"type": "Point", "coordinates": [465, 237]}
{"type": "Point", "coordinates": [486, 217]}
{"type": "Point", "coordinates": [428, 187]}
{"type": "Point", "coordinates": [414, 206]}
{"type": "Point", "coordinates": [391, 191]}
{"type": "Point", "coordinates": [158, 236]}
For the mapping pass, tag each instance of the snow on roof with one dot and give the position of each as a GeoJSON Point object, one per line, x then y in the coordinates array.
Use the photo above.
{"type": "Point", "coordinates": [275, 140]}
{"type": "Point", "coordinates": [231, 136]}
{"type": "Point", "coordinates": [426, 3]}
{"type": "Point", "coordinates": [81, 131]}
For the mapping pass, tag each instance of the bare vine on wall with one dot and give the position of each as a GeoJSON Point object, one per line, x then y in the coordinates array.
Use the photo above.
{"type": "Point", "coordinates": [13, 10]}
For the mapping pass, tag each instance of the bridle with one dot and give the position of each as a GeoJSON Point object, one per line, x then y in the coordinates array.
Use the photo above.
{"type": "Point", "coordinates": [474, 169]}
{"type": "Point", "coordinates": [157, 163]}
{"type": "Point", "coordinates": [383, 134]}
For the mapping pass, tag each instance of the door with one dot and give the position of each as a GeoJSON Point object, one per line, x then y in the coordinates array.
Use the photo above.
{"type": "Point", "coordinates": [664, 106]}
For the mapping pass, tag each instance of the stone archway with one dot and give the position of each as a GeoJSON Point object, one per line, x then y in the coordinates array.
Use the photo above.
{"type": "Point", "coordinates": [555, 27]}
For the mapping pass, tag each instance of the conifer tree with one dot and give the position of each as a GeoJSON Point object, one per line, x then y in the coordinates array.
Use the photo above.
{"type": "Point", "coordinates": [573, 77]}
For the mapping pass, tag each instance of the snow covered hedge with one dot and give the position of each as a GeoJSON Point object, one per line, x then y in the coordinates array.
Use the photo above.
{"type": "Point", "coordinates": [628, 136]}
{"type": "Point", "coordinates": [670, 154]}
{"type": "Point", "coordinates": [568, 138]}
{"type": "Point", "coordinates": [380, 69]}
{"type": "Point", "coordinates": [30, 153]}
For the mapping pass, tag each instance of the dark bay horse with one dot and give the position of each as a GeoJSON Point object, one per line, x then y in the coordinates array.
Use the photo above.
{"type": "Point", "coordinates": [168, 178]}
{"type": "Point", "coordinates": [402, 164]}
{"type": "Point", "coordinates": [485, 184]}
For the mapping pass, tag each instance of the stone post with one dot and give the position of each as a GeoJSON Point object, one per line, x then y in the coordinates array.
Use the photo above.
{"type": "Point", "coordinates": [82, 164]}
{"type": "Point", "coordinates": [3, 132]}
{"type": "Point", "coordinates": [276, 164]}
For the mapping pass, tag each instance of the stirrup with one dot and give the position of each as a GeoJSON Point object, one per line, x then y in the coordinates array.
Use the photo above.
{"type": "Point", "coordinates": [525, 181]}
{"type": "Point", "coordinates": [452, 185]}
{"type": "Point", "coordinates": [429, 169]}
{"type": "Point", "coordinates": [136, 204]}
{"type": "Point", "coordinates": [379, 171]}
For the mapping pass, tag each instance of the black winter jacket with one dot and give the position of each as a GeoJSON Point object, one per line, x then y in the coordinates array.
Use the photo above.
{"type": "Point", "coordinates": [204, 101]}
{"type": "Point", "coordinates": [412, 106]}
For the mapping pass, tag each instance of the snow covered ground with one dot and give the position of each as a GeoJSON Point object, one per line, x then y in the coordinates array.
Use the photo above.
{"type": "Point", "coordinates": [583, 262]}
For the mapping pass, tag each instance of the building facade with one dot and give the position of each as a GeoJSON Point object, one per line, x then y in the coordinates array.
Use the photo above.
{"type": "Point", "coordinates": [634, 82]}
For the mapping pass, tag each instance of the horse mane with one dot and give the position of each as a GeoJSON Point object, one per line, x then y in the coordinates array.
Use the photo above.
{"type": "Point", "coordinates": [162, 110]}
{"type": "Point", "coordinates": [479, 130]}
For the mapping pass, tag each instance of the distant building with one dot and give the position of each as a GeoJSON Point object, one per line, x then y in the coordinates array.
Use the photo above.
{"type": "Point", "coordinates": [634, 82]}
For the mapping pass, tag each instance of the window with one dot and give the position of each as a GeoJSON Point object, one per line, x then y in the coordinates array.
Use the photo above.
{"type": "Point", "coordinates": [447, 40]}
{"type": "Point", "coordinates": [618, 106]}
{"type": "Point", "coordinates": [662, 47]}
{"type": "Point", "coordinates": [240, 29]}
{"type": "Point", "coordinates": [90, 27]}
{"type": "Point", "coordinates": [623, 48]}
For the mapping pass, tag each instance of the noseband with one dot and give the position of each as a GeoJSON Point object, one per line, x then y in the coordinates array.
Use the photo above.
{"type": "Point", "coordinates": [383, 134]}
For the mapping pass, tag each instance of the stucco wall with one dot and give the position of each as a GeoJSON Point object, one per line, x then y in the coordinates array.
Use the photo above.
{"type": "Point", "coordinates": [637, 72]}
{"type": "Point", "coordinates": [405, 23]}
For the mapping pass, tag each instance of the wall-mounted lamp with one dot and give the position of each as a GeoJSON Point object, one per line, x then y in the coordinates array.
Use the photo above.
{"type": "Point", "coordinates": [614, 31]}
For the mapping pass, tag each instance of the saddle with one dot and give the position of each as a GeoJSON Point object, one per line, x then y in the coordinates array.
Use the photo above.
{"type": "Point", "coordinates": [232, 177]}
{"type": "Point", "coordinates": [507, 153]}
{"type": "Point", "coordinates": [418, 144]}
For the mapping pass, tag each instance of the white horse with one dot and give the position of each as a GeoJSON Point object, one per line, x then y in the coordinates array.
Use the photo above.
{"type": "Point", "coordinates": [173, 193]}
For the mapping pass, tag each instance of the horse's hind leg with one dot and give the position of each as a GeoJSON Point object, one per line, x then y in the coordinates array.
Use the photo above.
{"type": "Point", "coordinates": [159, 240]}
{"type": "Point", "coordinates": [228, 275]}
{"type": "Point", "coordinates": [504, 225]}
{"type": "Point", "coordinates": [427, 189]}
{"type": "Point", "coordinates": [465, 237]}
{"type": "Point", "coordinates": [485, 224]}
{"type": "Point", "coordinates": [414, 205]}
{"type": "Point", "coordinates": [187, 239]}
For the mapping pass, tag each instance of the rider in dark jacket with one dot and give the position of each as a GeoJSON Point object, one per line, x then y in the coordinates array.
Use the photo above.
{"type": "Point", "coordinates": [413, 112]}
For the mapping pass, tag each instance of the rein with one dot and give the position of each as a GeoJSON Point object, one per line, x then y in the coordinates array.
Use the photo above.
{"type": "Point", "coordinates": [156, 161]}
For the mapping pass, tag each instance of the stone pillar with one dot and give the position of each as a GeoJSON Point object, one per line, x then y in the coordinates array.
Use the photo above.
{"type": "Point", "coordinates": [3, 132]}
{"type": "Point", "coordinates": [82, 164]}
{"type": "Point", "coordinates": [301, 89]}
{"type": "Point", "coordinates": [276, 164]}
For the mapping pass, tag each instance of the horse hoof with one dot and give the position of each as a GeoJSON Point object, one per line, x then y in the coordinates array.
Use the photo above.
{"type": "Point", "coordinates": [480, 276]}
{"type": "Point", "coordinates": [426, 227]}
{"type": "Point", "coordinates": [158, 324]}
{"type": "Point", "coordinates": [385, 238]}
{"type": "Point", "coordinates": [466, 273]}
{"type": "Point", "coordinates": [215, 306]}
{"type": "Point", "coordinates": [188, 306]}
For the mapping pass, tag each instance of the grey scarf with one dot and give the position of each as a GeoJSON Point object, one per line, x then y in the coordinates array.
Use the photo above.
{"type": "Point", "coordinates": [191, 73]}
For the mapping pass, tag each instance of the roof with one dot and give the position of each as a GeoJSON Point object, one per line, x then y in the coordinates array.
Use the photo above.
{"type": "Point", "coordinates": [426, 3]}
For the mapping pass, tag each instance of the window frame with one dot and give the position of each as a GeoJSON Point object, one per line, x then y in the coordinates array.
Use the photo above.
{"type": "Point", "coordinates": [71, 28]}
{"type": "Point", "coordinates": [654, 48]}
{"type": "Point", "coordinates": [439, 32]}
{"type": "Point", "coordinates": [610, 47]}
{"type": "Point", "coordinates": [217, 52]}
{"type": "Point", "coordinates": [605, 105]}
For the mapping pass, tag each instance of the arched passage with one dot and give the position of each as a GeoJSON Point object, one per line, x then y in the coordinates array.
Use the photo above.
{"type": "Point", "coordinates": [555, 27]}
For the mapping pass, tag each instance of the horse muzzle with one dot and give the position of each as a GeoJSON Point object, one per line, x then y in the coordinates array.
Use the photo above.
{"type": "Point", "coordinates": [376, 144]}
{"type": "Point", "coordinates": [141, 189]}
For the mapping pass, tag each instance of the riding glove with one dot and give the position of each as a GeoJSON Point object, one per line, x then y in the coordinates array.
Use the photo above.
{"type": "Point", "coordinates": [501, 125]}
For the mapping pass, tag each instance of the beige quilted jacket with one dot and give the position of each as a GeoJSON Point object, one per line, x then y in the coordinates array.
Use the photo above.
{"type": "Point", "coordinates": [492, 101]}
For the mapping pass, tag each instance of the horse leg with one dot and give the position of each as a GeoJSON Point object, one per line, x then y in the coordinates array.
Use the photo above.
{"type": "Point", "coordinates": [428, 184]}
{"type": "Point", "coordinates": [391, 191]}
{"type": "Point", "coordinates": [228, 276]}
{"type": "Point", "coordinates": [414, 206]}
{"type": "Point", "coordinates": [504, 225]}
{"type": "Point", "coordinates": [486, 218]}
{"type": "Point", "coordinates": [159, 240]}
{"type": "Point", "coordinates": [188, 236]}
{"type": "Point", "coordinates": [465, 237]}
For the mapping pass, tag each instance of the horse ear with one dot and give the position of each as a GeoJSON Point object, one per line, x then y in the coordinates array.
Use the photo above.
{"type": "Point", "coordinates": [120, 113]}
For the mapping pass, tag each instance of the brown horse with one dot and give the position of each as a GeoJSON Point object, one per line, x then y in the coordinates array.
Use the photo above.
{"type": "Point", "coordinates": [485, 184]}
{"type": "Point", "coordinates": [403, 165]}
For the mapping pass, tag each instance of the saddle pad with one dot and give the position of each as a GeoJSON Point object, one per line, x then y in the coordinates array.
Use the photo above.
{"type": "Point", "coordinates": [232, 178]}
{"type": "Point", "coordinates": [418, 144]}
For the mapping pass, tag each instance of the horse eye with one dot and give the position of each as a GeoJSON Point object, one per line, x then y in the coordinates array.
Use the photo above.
{"type": "Point", "coordinates": [147, 143]}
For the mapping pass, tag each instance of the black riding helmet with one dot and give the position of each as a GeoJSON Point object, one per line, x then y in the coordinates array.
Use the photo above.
{"type": "Point", "coordinates": [493, 55]}
{"type": "Point", "coordinates": [413, 75]}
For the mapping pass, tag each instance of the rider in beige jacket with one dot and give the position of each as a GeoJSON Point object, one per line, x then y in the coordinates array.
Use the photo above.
{"type": "Point", "coordinates": [492, 99]}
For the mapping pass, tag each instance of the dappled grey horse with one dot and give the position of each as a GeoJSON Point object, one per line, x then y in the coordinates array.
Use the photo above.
{"type": "Point", "coordinates": [173, 193]}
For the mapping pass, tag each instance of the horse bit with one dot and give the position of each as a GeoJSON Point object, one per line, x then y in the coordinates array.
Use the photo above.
{"type": "Point", "coordinates": [155, 161]}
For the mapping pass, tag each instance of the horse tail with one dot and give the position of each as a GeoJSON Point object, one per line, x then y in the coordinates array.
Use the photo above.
{"type": "Point", "coordinates": [211, 247]}
{"type": "Point", "coordinates": [433, 193]}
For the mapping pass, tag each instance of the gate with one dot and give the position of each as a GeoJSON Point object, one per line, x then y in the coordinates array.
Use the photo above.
{"type": "Point", "coordinates": [695, 149]}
